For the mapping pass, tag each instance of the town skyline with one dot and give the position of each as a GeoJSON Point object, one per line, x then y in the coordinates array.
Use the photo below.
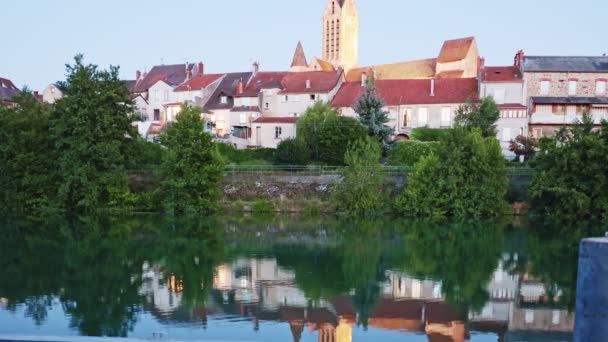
{"type": "Point", "coordinates": [185, 40]}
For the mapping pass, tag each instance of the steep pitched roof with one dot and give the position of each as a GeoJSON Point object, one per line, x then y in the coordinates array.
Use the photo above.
{"type": "Point", "coordinates": [299, 58]}
{"type": "Point", "coordinates": [263, 80]}
{"type": "Point", "coordinates": [565, 64]}
{"type": "Point", "coordinates": [130, 84]}
{"type": "Point", "coordinates": [420, 69]}
{"type": "Point", "coordinates": [318, 82]}
{"type": "Point", "coordinates": [198, 82]}
{"type": "Point", "coordinates": [455, 50]}
{"type": "Point", "coordinates": [408, 92]}
{"type": "Point", "coordinates": [226, 87]}
{"type": "Point", "coordinates": [171, 74]}
{"type": "Point", "coordinates": [501, 74]}
{"type": "Point", "coordinates": [7, 89]}
{"type": "Point", "coordinates": [325, 65]}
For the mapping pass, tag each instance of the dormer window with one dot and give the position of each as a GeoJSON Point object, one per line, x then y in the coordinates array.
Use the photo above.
{"type": "Point", "coordinates": [223, 99]}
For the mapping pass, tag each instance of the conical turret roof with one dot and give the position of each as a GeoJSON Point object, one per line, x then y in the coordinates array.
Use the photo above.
{"type": "Point", "coordinates": [299, 59]}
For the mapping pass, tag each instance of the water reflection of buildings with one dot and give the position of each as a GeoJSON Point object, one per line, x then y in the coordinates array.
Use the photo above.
{"type": "Point", "coordinates": [260, 290]}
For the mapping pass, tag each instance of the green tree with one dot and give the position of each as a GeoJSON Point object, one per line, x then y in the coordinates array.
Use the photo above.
{"type": "Point", "coordinates": [482, 116]}
{"type": "Point", "coordinates": [328, 135]}
{"type": "Point", "coordinates": [360, 191]}
{"type": "Point", "coordinates": [572, 175]}
{"type": "Point", "coordinates": [372, 115]}
{"type": "Point", "coordinates": [91, 127]}
{"type": "Point", "coordinates": [408, 153]}
{"type": "Point", "coordinates": [192, 169]}
{"type": "Point", "coordinates": [26, 152]}
{"type": "Point", "coordinates": [466, 178]}
{"type": "Point", "coordinates": [292, 152]}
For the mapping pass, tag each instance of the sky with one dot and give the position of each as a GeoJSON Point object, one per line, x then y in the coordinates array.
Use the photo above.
{"type": "Point", "coordinates": [41, 36]}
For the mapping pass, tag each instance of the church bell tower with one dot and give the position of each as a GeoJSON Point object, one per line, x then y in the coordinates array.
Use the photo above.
{"type": "Point", "coordinates": [341, 33]}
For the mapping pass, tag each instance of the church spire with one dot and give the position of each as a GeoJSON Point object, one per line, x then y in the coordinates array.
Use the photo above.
{"type": "Point", "coordinates": [299, 58]}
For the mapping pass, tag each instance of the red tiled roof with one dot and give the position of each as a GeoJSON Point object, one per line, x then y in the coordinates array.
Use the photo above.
{"type": "Point", "coordinates": [404, 92]}
{"type": "Point", "coordinates": [512, 106]}
{"type": "Point", "coordinates": [455, 50]}
{"type": "Point", "coordinates": [320, 82]}
{"type": "Point", "coordinates": [7, 89]}
{"type": "Point", "coordinates": [263, 80]}
{"type": "Point", "coordinates": [199, 82]}
{"type": "Point", "coordinates": [279, 119]}
{"type": "Point", "coordinates": [171, 74]}
{"type": "Point", "coordinates": [501, 74]}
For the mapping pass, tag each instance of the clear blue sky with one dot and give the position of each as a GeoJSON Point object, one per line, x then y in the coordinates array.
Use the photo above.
{"type": "Point", "coordinates": [40, 36]}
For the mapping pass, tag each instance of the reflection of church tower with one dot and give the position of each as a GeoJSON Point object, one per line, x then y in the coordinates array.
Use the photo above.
{"type": "Point", "coordinates": [297, 327]}
{"type": "Point", "coordinates": [341, 33]}
{"type": "Point", "coordinates": [327, 333]}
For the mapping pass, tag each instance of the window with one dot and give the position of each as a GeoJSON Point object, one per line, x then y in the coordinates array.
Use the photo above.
{"type": "Point", "coordinates": [166, 95]}
{"type": "Point", "coordinates": [243, 118]}
{"type": "Point", "coordinates": [506, 134]}
{"type": "Point", "coordinates": [538, 133]}
{"type": "Point", "coordinates": [423, 117]}
{"type": "Point", "coordinates": [157, 95]}
{"type": "Point", "coordinates": [313, 97]}
{"type": "Point", "coordinates": [266, 105]}
{"type": "Point", "coordinates": [223, 99]}
{"type": "Point", "coordinates": [529, 316]}
{"type": "Point", "coordinates": [572, 84]}
{"type": "Point", "coordinates": [406, 116]}
{"type": "Point", "coordinates": [285, 98]}
{"type": "Point", "coordinates": [157, 115]}
{"type": "Point", "coordinates": [555, 317]}
{"type": "Point", "coordinates": [570, 110]}
{"type": "Point", "coordinates": [446, 116]}
{"type": "Point", "coordinates": [544, 109]}
{"type": "Point", "coordinates": [600, 88]}
{"type": "Point", "coordinates": [545, 86]}
{"type": "Point", "coordinates": [499, 96]}
{"type": "Point", "coordinates": [278, 132]}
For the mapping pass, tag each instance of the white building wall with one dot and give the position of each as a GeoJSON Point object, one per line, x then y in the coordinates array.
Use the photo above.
{"type": "Point", "coordinates": [159, 95]}
{"type": "Point", "coordinates": [51, 94]}
{"type": "Point", "coordinates": [264, 134]}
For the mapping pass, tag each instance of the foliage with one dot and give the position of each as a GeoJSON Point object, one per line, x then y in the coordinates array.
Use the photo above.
{"type": "Point", "coordinates": [360, 193]}
{"type": "Point", "coordinates": [482, 116]}
{"type": "Point", "coordinates": [328, 135]}
{"type": "Point", "coordinates": [263, 207]}
{"type": "Point", "coordinates": [572, 175]}
{"type": "Point", "coordinates": [145, 154]}
{"type": "Point", "coordinates": [373, 116]}
{"type": "Point", "coordinates": [426, 134]}
{"type": "Point", "coordinates": [292, 152]}
{"type": "Point", "coordinates": [91, 127]}
{"type": "Point", "coordinates": [232, 155]}
{"type": "Point", "coordinates": [466, 178]}
{"type": "Point", "coordinates": [523, 146]}
{"type": "Point", "coordinates": [26, 152]}
{"type": "Point", "coordinates": [192, 168]}
{"type": "Point", "coordinates": [408, 153]}
{"type": "Point", "coordinates": [336, 136]}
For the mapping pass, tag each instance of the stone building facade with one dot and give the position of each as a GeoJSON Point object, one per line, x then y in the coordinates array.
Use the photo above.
{"type": "Point", "coordinates": [341, 33]}
{"type": "Point", "coordinates": [559, 90]}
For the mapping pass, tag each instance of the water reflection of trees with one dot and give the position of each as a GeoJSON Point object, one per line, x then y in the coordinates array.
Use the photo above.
{"type": "Point", "coordinates": [94, 268]}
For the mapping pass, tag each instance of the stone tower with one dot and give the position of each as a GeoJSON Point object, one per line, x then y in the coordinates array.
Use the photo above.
{"type": "Point", "coordinates": [341, 33]}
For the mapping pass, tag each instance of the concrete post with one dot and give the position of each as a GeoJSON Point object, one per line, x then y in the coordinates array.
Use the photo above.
{"type": "Point", "coordinates": [591, 322]}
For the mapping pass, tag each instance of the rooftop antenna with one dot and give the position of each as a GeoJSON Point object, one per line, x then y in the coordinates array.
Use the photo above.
{"type": "Point", "coordinates": [162, 61]}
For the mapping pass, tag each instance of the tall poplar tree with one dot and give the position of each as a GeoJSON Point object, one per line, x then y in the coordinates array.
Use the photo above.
{"type": "Point", "coordinates": [373, 116]}
{"type": "Point", "coordinates": [91, 127]}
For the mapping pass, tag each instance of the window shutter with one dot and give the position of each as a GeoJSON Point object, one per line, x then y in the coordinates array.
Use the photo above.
{"type": "Point", "coordinates": [554, 109]}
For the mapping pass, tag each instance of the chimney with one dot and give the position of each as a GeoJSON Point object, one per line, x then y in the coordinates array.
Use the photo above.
{"type": "Point", "coordinates": [307, 84]}
{"type": "Point", "coordinates": [137, 75]}
{"type": "Point", "coordinates": [188, 74]}
{"type": "Point", "coordinates": [256, 68]}
{"type": "Point", "coordinates": [363, 79]}
{"type": "Point", "coordinates": [239, 87]}
{"type": "Point", "coordinates": [519, 58]}
{"type": "Point", "coordinates": [201, 68]}
{"type": "Point", "coordinates": [432, 87]}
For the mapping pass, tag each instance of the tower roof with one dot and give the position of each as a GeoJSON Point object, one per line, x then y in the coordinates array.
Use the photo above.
{"type": "Point", "coordinates": [299, 58]}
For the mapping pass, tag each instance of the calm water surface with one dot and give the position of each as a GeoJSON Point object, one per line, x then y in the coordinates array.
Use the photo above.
{"type": "Point", "coordinates": [286, 279]}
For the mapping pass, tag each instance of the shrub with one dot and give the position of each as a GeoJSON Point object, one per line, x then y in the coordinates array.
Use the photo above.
{"type": "Point", "coordinates": [467, 178]}
{"type": "Point", "coordinates": [572, 179]}
{"type": "Point", "coordinates": [292, 152]}
{"type": "Point", "coordinates": [360, 193]}
{"type": "Point", "coordinates": [263, 207]}
{"type": "Point", "coordinates": [428, 134]}
{"type": "Point", "coordinates": [408, 153]}
{"type": "Point", "coordinates": [232, 155]}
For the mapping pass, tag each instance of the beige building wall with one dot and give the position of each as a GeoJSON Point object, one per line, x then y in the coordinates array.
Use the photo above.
{"type": "Point", "coordinates": [264, 134]}
{"type": "Point", "coordinates": [470, 64]}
